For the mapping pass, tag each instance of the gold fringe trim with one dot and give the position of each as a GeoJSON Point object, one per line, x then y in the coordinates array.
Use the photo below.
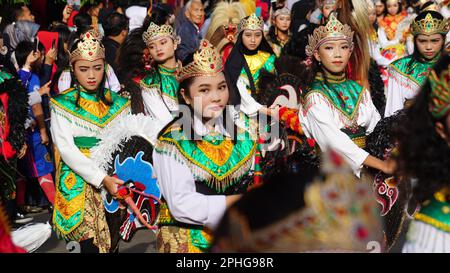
{"type": "Point", "coordinates": [431, 221]}
{"type": "Point", "coordinates": [82, 121]}
{"type": "Point", "coordinates": [204, 174]}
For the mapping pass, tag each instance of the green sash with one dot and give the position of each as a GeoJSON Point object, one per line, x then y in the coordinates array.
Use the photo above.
{"type": "Point", "coordinates": [69, 205]}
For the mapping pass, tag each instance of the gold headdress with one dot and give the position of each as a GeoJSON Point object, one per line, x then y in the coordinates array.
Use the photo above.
{"type": "Point", "coordinates": [328, 3]}
{"type": "Point", "coordinates": [283, 11]}
{"type": "Point", "coordinates": [393, 1]}
{"type": "Point", "coordinates": [89, 48]}
{"type": "Point", "coordinates": [430, 25]}
{"type": "Point", "coordinates": [333, 30]}
{"type": "Point", "coordinates": [155, 32]}
{"type": "Point", "coordinates": [207, 62]}
{"type": "Point", "coordinates": [440, 93]}
{"type": "Point", "coordinates": [253, 22]}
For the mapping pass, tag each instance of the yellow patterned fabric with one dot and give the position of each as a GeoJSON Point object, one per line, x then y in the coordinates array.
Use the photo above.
{"type": "Point", "coordinates": [175, 239]}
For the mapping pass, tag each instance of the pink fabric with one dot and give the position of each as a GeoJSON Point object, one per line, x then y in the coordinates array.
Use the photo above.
{"type": "Point", "coordinates": [48, 187]}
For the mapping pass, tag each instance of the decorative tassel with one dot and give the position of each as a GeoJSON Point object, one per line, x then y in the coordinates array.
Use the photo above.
{"type": "Point", "coordinates": [291, 119]}
{"type": "Point", "coordinates": [257, 176]}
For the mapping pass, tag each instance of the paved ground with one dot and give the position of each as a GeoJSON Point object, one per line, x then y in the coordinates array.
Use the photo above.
{"type": "Point", "coordinates": [142, 242]}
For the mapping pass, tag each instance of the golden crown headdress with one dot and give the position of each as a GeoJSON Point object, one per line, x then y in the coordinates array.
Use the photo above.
{"type": "Point", "coordinates": [440, 93]}
{"type": "Point", "coordinates": [329, 2]}
{"type": "Point", "coordinates": [430, 25]}
{"type": "Point", "coordinates": [333, 30]}
{"type": "Point", "coordinates": [207, 62]}
{"type": "Point", "coordinates": [89, 48]}
{"type": "Point", "coordinates": [253, 22]}
{"type": "Point", "coordinates": [155, 32]}
{"type": "Point", "coordinates": [282, 11]}
{"type": "Point", "coordinates": [393, 1]}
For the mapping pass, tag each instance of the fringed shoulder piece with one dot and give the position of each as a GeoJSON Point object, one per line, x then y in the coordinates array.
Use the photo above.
{"type": "Point", "coordinates": [87, 111]}
{"type": "Point", "coordinates": [215, 160]}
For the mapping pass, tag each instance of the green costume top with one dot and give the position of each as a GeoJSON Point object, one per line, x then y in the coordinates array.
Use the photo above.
{"type": "Point", "coordinates": [416, 71]}
{"type": "Point", "coordinates": [345, 98]}
{"type": "Point", "coordinates": [436, 212]}
{"type": "Point", "coordinates": [90, 111]}
{"type": "Point", "coordinates": [342, 94]}
{"type": "Point", "coordinates": [257, 62]}
{"type": "Point", "coordinates": [90, 115]}
{"type": "Point", "coordinates": [163, 83]}
{"type": "Point", "coordinates": [406, 77]}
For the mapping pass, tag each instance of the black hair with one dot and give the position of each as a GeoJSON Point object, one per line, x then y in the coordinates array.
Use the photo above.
{"type": "Point", "coordinates": [160, 14]}
{"type": "Point", "coordinates": [400, 7]}
{"type": "Point", "coordinates": [62, 62]}
{"type": "Point", "coordinates": [114, 24]}
{"type": "Point", "coordinates": [130, 65]}
{"type": "Point", "coordinates": [24, 49]}
{"type": "Point", "coordinates": [423, 154]}
{"type": "Point", "coordinates": [100, 93]}
{"type": "Point", "coordinates": [296, 46]}
{"type": "Point", "coordinates": [83, 22]}
{"type": "Point", "coordinates": [299, 12]}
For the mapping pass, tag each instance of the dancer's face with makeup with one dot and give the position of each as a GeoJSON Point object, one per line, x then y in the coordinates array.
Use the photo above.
{"type": "Point", "coordinates": [252, 38]}
{"type": "Point", "coordinates": [89, 73]}
{"type": "Point", "coordinates": [208, 95]}
{"type": "Point", "coordinates": [334, 55]}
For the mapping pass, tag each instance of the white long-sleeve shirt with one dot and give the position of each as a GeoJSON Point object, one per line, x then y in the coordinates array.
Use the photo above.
{"type": "Point", "coordinates": [177, 185]}
{"type": "Point", "coordinates": [322, 122]}
{"type": "Point", "coordinates": [63, 133]}
{"type": "Point", "coordinates": [155, 106]}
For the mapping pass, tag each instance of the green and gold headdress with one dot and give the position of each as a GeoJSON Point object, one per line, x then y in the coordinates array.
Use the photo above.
{"type": "Point", "coordinates": [332, 31]}
{"type": "Point", "coordinates": [155, 32]}
{"type": "Point", "coordinates": [253, 22]}
{"type": "Point", "coordinates": [430, 25]}
{"type": "Point", "coordinates": [207, 62]}
{"type": "Point", "coordinates": [89, 48]}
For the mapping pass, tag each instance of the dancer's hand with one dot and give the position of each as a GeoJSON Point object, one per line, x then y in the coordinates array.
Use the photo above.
{"type": "Point", "coordinates": [111, 183]}
{"type": "Point", "coordinates": [45, 89]}
{"type": "Point", "coordinates": [44, 137]}
{"type": "Point", "coordinates": [22, 151]}
{"type": "Point", "coordinates": [51, 56]}
{"type": "Point", "coordinates": [390, 166]}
